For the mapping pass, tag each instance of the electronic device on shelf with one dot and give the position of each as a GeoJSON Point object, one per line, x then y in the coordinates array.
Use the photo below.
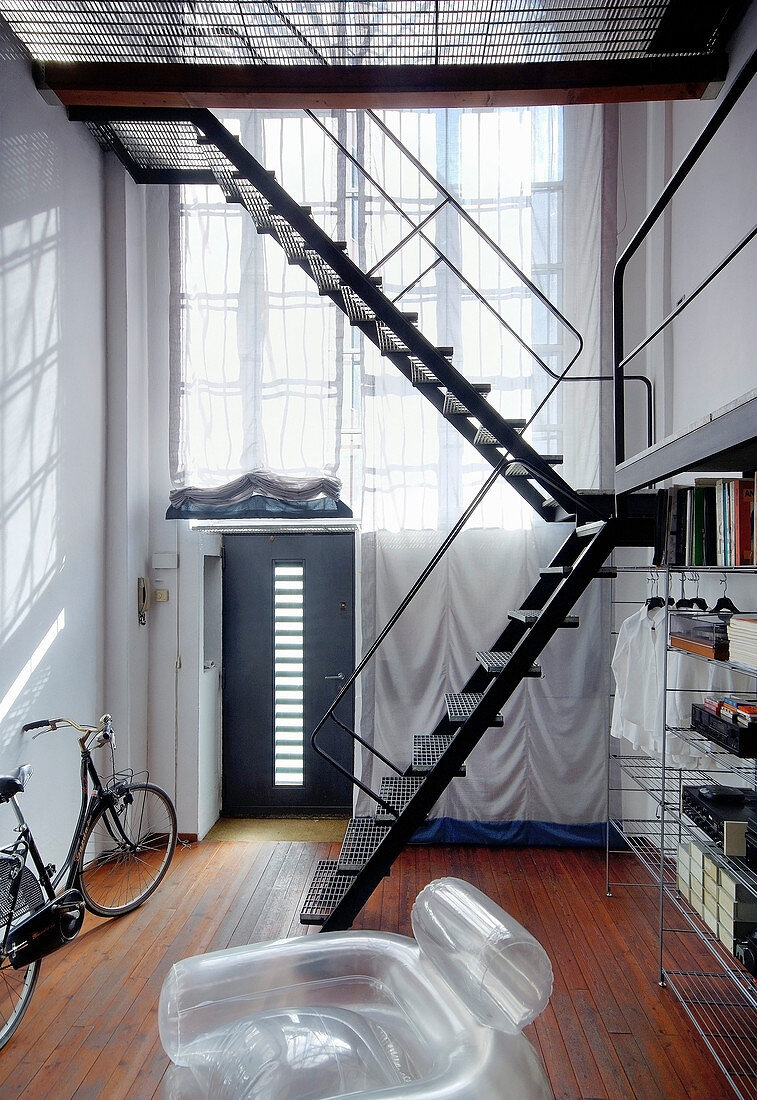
{"type": "Point", "coordinates": [737, 739]}
{"type": "Point", "coordinates": [746, 952]}
{"type": "Point", "coordinates": [722, 795]}
{"type": "Point", "coordinates": [722, 813]}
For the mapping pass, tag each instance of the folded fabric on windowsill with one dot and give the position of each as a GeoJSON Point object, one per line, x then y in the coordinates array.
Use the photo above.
{"type": "Point", "coordinates": [260, 493]}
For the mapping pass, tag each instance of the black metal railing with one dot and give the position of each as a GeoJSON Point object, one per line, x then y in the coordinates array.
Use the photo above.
{"type": "Point", "coordinates": [378, 641]}
{"type": "Point", "coordinates": [733, 94]}
{"type": "Point", "coordinates": [416, 229]}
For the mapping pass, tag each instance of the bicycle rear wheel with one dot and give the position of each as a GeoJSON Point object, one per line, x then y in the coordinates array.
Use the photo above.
{"type": "Point", "coordinates": [16, 986]}
{"type": "Point", "coordinates": [127, 849]}
{"type": "Point", "coordinates": [16, 989]}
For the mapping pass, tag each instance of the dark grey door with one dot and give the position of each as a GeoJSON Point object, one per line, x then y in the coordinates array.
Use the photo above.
{"type": "Point", "coordinates": [288, 645]}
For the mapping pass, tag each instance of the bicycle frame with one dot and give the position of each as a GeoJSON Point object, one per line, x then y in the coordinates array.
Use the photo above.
{"type": "Point", "coordinates": [92, 798]}
{"type": "Point", "coordinates": [113, 864]}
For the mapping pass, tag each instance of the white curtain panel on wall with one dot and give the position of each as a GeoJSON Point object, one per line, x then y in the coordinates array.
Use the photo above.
{"type": "Point", "coordinates": [272, 376]}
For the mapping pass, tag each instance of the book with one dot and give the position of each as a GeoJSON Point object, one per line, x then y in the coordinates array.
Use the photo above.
{"type": "Point", "coordinates": [719, 522]}
{"type": "Point", "coordinates": [689, 549]}
{"type": "Point", "coordinates": [682, 524]}
{"type": "Point", "coordinates": [730, 545]}
{"type": "Point", "coordinates": [743, 521]}
{"type": "Point", "coordinates": [672, 529]}
{"type": "Point", "coordinates": [660, 555]}
{"type": "Point", "coordinates": [706, 488]}
{"type": "Point", "coordinates": [710, 523]}
{"type": "Point", "coordinates": [748, 706]}
{"type": "Point", "coordinates": [697, 557]}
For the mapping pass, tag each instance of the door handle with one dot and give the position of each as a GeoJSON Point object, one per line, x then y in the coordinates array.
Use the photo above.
{"type": "Point", "coordinates": [336, 676]}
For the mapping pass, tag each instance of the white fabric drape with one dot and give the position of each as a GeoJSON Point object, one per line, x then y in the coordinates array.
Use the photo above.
{"type": "Point", "coordinates": [274, 377]}
{"type": "Point", "coordinates": [548, 762]}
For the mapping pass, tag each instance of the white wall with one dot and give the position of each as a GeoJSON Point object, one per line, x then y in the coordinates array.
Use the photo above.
{"type": "Point", "coordinates": [84, 299]}
{"type": "Point", "coordinates": [707, 358]}
{"type": "Point", "coordinates": [127, 465]}
{"type": "Point", "coordinates": [52, 440]}
{"type": "Point", "coordinates": [183, 699]}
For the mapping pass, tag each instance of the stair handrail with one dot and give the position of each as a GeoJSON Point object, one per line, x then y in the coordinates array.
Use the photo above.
{"type": "Point", "coordinates": [417, 229]}
{"type": "Point", "coordinates": [723, 109]}
{"type": "Point", "coordinates": [471, 221]}
{"type": "Point", "coordinates": [437, 556]}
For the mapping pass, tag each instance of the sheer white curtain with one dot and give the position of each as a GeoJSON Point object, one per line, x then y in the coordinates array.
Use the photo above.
{"type": "Point", "coordinates": [273, 376]}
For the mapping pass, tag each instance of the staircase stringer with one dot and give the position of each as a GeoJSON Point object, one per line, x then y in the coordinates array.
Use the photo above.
{"type": "Point", "coordinates": [586, 563]}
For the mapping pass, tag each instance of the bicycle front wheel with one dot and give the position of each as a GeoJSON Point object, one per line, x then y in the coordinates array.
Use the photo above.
{"type": "Point", "coordinates": [127, 849]}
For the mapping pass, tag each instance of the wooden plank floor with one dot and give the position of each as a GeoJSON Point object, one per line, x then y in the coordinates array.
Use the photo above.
{"type": "Point", "coordinates": [609, 1031]}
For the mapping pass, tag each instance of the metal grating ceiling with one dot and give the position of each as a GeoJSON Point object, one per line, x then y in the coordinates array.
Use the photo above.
{"type": "Point", "coordinates": [363, 32]}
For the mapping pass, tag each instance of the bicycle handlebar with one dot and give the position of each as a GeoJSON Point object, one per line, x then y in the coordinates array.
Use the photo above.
{"type": "Point", "coordinates": [103, 728]}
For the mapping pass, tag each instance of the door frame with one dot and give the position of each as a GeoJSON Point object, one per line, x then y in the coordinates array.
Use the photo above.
{"type": "Point", "coordinates": [303, 530]}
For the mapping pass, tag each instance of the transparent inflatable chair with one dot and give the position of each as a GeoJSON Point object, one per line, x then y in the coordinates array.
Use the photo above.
{"type": "Point", "coordinates": [365, 1014]}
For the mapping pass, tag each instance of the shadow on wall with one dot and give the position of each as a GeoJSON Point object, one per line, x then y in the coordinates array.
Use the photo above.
{"type": "Point", "coordinates": [31, 613]}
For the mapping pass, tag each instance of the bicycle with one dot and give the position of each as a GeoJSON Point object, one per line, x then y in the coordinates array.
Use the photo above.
{"type": "Point", "coordinates": [121, 848]}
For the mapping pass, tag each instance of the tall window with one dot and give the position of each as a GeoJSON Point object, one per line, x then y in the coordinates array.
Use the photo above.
{"type": "Point", "coordinates": [274, 376]}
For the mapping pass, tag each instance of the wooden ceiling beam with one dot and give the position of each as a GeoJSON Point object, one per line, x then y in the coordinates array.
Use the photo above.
{"type": "Point", "coordinates": [377, 86]}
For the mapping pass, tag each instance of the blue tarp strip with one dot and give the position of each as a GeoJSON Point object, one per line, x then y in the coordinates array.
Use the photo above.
{"type": "Point", "coordinates": [448, 830]}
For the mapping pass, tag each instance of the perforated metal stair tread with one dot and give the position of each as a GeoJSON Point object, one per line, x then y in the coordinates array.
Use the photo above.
{"type": "Point", "coordinates": [256, 205]}
{"type": "Point", "coordinates": [325, 892]}
{"type": "Point", "coordinates": [397, 790]}
{"type": "Point", "coordinates": [460, 706]}
{"type": "Point", "coordinates": [362, 838]}
{"type": "Point", "coordinates": [427, 748]}
{"type": "Point", "coordinates": [388, 341]}
{"type": "Point", "coordinates": [518, 469]}
{"type": "Point", "coordinates": [495, 661]}
{"type": "Point", "coordinates": [326, 279]}
{"type": "Point", "coordinates": [529, 617]}
{"type": "Point", "coordinates": [454, 407]}
{"type": "Point", "coordinates": [421, 375]}
{"type": "Point", "coordinates": [355, 307]}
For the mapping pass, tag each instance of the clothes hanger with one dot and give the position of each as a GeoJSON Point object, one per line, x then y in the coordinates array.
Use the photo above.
{"type": "Point", "coordinates": [684, 604]}
{"type": "Point", "coordinates": [697, 601]}
{"type": "Point", "coordinates": [655, 600]}
{"type": "Point", "coordinates": [725, 604]}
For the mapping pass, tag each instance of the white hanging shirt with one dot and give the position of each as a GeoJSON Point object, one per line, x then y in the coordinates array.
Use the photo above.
{"type": "Point", "coordinates": [637, 665]}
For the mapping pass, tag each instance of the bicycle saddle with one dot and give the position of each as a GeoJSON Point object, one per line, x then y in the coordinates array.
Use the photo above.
{"type": "Point", "coordinates": [15, 782]}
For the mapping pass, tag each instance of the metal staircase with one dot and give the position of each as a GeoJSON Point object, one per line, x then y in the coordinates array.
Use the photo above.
{"type": "Point", "coordinates": [193, 146]}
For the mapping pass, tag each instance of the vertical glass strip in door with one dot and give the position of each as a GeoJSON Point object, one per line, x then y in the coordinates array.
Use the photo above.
{"type": "Point", "coordinates": [288, 672]}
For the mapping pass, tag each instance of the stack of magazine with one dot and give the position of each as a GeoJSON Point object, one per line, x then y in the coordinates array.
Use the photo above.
{"type": "Point", "coordinates": [742, 640]}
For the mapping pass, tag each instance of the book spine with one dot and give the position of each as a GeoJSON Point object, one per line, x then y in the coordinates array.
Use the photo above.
{"type": "Point", "coordinates": [706, 486]}
{"type": "Point", "coordinates": [698, 538]}
{"type": "Point", "coordinates": [719, 522]}
{"type": "Point", "coordinates": [743, 513]}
